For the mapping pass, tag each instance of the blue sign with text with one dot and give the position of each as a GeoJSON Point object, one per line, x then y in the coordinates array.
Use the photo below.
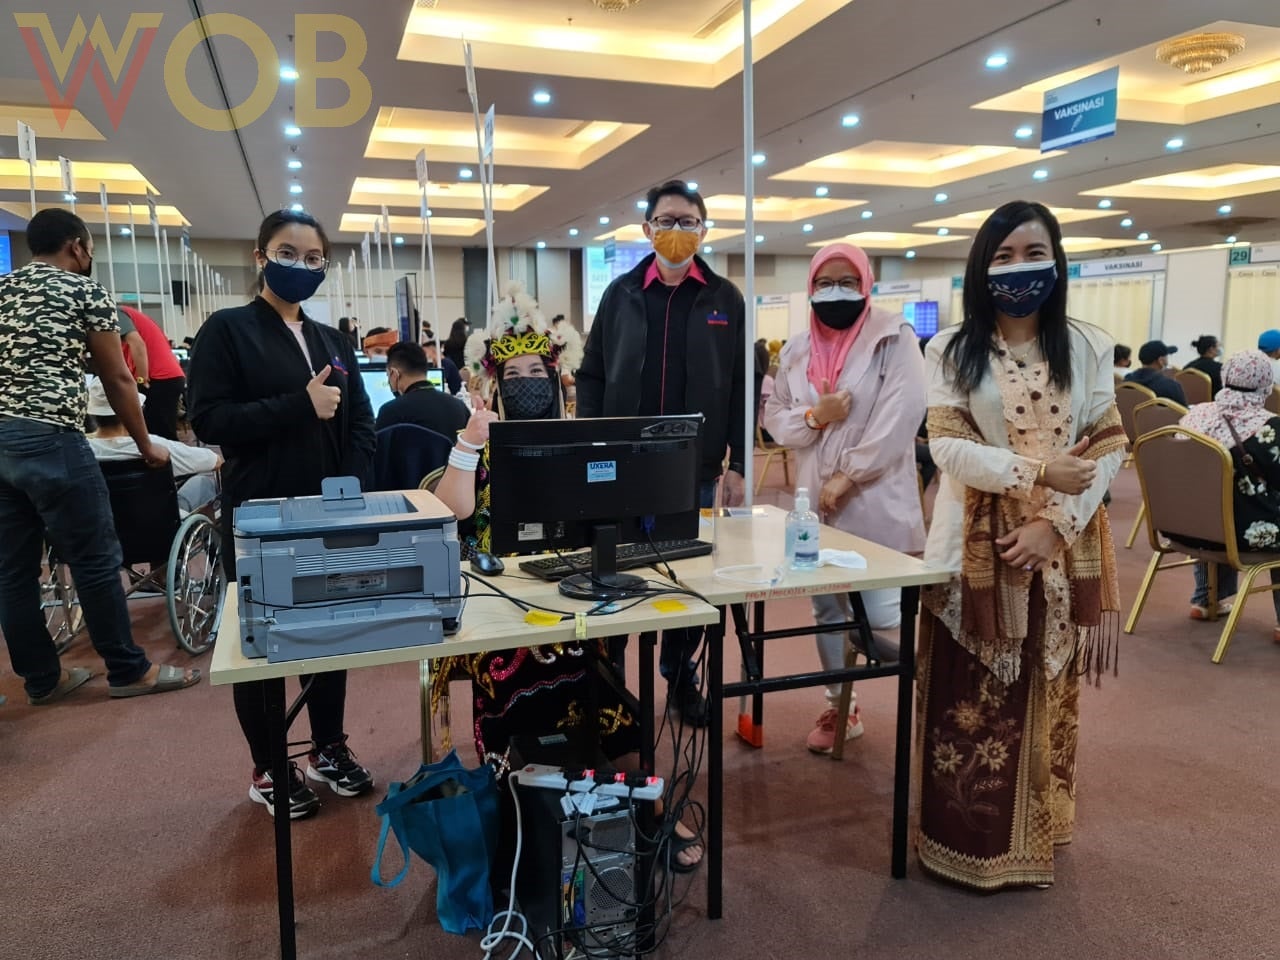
{"type": "Point", "coordinates": [1080, 112]}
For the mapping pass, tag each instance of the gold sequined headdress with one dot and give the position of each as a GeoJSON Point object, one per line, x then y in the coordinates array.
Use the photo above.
{"type": "Point", "coordinates": [518, 329]}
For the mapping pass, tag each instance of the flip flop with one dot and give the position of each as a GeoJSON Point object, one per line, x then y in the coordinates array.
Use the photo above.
{"type": "Point", "coordinates": [71, 678]}
{"type": "Point", "coordinates": [169, 678]}
{"type": "Point", "coordinates": [678, 845]}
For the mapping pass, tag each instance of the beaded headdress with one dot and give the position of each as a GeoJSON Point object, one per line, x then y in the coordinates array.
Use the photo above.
{"type": "Point", "coordinates": [517, 329]}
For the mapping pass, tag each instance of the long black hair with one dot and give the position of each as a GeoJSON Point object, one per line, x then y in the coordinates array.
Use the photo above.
{"type": "Point", "coordinates": [969, 351]}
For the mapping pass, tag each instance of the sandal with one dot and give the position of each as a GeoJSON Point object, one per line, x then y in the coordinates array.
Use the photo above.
{"type": "Point", "coordinates": [71, 678]}
{"type": "Point", "coordinates": [680, 844]}
{"type": "Point", "coordinates": [169, 678]}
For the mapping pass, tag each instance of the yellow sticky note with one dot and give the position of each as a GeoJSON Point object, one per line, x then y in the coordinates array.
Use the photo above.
{"type": "Point", "coordinates": [668, 606]}
{"type": "Point", "coordinates": [540, 618]}
{"type": "Point", "coordinates": [580, 625]}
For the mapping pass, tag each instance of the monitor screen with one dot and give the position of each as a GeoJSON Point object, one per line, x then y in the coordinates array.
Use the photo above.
{"type": "Point", "coordinates": [923, 315]}
{"type": "Point", "coordinates": [6, 254]}
{"type": "Point", "coordinates": [567, 484]}
{"type": "Point", "coordinates": [404, 309]}
{"type": "Point", "coordinates": [374, 376]}
{"type": "Point", "coordinates": [435, 377]}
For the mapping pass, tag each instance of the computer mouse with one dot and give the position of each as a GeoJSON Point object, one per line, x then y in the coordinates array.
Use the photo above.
{"type": "Point", "coordinates": [487, 565]}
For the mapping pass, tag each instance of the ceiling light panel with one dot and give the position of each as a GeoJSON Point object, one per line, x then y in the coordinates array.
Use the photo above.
{"type": "Point", "coordinates": [903, 164]}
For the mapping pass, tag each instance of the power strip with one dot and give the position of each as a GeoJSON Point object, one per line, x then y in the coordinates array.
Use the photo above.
{"type": "Point", "coordinates": [553, 778]}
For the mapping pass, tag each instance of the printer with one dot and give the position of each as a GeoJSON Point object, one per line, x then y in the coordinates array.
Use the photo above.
{"type": "Point", "coordinates": [345, 572]}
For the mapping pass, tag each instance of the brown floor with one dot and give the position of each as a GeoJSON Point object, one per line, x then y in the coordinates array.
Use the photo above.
{"type": "Point", "coordinates": [127, 831]}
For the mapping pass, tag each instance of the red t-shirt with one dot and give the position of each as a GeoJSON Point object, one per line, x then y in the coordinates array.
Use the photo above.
{"type": "Point", "coordinates": [163, 365]}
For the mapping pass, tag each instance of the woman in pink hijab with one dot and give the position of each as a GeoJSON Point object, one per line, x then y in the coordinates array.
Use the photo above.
{"type": "Point", "coordinates": [848, 399]}
{"type": "Point", "coordinates": [1238, 419]}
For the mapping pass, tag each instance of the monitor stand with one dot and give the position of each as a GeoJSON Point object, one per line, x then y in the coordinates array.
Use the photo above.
{"type": "Point", "coordinates": [604, 582]}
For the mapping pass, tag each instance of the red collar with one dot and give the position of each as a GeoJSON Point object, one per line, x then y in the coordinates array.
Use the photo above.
{"type": "Point", "coordinates": [651, 275]}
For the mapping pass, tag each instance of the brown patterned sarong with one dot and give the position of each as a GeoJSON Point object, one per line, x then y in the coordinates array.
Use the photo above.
{"type": "Point", "coordinates": [998, 759]}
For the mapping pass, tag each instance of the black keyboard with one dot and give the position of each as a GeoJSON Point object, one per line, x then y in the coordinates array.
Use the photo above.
{"type": "Point", "coordinates": [630, 556]}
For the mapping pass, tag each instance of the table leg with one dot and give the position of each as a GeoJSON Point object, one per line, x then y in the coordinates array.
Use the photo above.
{"type": "Point", "coordinates": [424, 697]}
{"type": "Point", "coordinates": [647, 820]}
{"type": "Point", "coordinates": [715, 769]}
{"type": "Point", "coordinates": [278, 731]}
{"type": "Point", "coordinates": [648, 749]}
{"type": "Point", "coordinates": [902, 753]}
{"type": "Point", "coordinates": [757, 700]}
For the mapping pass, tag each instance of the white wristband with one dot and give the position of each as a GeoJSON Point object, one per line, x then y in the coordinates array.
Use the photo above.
{"type": "Point", "coordinates": [464, 461]}
{"type": "Point", "coordinates": [470, 446]}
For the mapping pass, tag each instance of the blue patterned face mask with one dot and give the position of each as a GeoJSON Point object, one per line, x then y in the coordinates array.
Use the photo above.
{"type": "Point", "coordinates": [1020, 289]}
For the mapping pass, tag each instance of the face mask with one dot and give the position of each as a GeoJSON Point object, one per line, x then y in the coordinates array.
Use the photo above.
{"type": "Point", "coordinates": [292, 284]}
{"type": "Point", "coordinates": [675, 248]}
{"type": "Point", "coordinates": [87, 269]}
{"type": "Point", "coordinates": [836, 308]}
{"type": "Point", "coordinates": [1020, 289]}
{"type": "Point", "coordinates": [527, 398]}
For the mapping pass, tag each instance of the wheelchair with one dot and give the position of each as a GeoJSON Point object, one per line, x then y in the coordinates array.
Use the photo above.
{"type": "Point", "coordinates": [183, 557]}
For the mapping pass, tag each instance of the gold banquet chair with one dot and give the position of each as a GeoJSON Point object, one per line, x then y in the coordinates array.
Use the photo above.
{"type": "Point", "coordinates": [1187, 482]}
{"type": "Point", "coordinates": [769, 450]}
{"type": "Point", "coordinates": [1148, 416]}
{"type": "Point", "coordinates": [1196, 385]}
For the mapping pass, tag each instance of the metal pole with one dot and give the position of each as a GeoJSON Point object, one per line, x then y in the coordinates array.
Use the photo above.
{"type": "Point", "coordinates": [749, 257]}
{"type": "Point", "coordinates": [106, 219]}
{"type": "Point", "coordinates": [133, 243]}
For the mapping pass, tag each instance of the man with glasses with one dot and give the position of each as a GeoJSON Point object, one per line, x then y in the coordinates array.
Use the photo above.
{"type": "Point", "coordinates": [669, 338]}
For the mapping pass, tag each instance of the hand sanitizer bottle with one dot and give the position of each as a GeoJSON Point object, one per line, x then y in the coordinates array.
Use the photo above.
{"type": "Point", "coordinates": [802, 534]}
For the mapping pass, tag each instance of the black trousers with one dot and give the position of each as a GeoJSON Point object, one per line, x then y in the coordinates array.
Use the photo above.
{"type": "Point", "coordinates": [326, 709]}
{"type": "Point", "coordinates": [161, 409]}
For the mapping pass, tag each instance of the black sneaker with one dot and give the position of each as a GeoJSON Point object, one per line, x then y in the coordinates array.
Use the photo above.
{"type": "Point", "coordinates": [692, 706]}
{"type": "Point", "coordinates": [336, 765]}
{"type": "Point", "coordinates": [303, 801]}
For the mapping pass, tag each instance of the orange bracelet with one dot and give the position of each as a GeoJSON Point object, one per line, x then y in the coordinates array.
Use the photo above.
{"type": "Point", "coordinates": [811, 420]}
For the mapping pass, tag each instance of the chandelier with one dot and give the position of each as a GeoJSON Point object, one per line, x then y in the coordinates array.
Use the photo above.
{"type": "Point", "coordinates": [1200, 52]}
{"type": "Point", "coordinates": [614, 6]}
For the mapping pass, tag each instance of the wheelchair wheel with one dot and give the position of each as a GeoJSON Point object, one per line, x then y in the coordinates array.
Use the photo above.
{"type": "Point", "coordinates": [195, 584]}
{"type": "Point", "coordinates": [60, 604]}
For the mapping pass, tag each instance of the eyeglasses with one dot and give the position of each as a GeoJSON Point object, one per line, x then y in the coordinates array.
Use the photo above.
{"type": "Point", "coordinates": [848, 285]}
{"type": "Point", "coordinates": [687, 224]}
{"type": "Point", "coordinates": [314, 262]}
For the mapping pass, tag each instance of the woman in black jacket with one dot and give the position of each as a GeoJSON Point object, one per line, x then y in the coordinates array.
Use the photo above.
{"type": "Point", "coordinates": [281, 395]}
{"type": "Point", "coordinates": [1208, 350]}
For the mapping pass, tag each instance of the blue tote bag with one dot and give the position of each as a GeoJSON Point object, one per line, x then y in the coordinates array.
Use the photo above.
{"type": "Point", "coordinates": [448, 815]}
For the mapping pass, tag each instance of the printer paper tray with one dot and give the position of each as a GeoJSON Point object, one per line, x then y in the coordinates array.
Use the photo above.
{"type": "Point", "coordinates": [304, 639]}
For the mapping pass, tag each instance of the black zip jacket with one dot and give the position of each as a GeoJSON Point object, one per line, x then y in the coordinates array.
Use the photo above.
{"type": "Point", "coordinates": [609, 378]}
{"type": "Point", "coordinates": [247, 393]}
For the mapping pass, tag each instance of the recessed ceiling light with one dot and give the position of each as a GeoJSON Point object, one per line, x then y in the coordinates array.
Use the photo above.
{"type": "Point", "coordinates": [1104, 204]}
{"type": "Point", "coordinates": [297, 208]}
{"type": "Point", "coordinates": [706, 249]}
{"type": "Point", "coordinates": [604, 221]}
{"type": "Point", "coordinates": [1127, 222]}
{"type": "Point", "coordinates": [295, 188]}
{"type": "Point", "coordinates": [939, 198]}
{"type": "Point", "coordinates": [1156, 248]}
{"type": "Point", "coordinates": [867, 214]}
{"type": "Point", "coordinates": [807, 228]}
{"type": "Point", "coordinates": [295, 164]}
{"type": "Point", "coordinates": [541, 97]}
{"type": "Point", "coordinates": [1041, 174]}
{"type": "Point", "coordinates": [292, 130]}
{"type": "Point", "coordinates": [399, 241]}
{"type": "Point", "coordinates": [1144, 236]}
{"type": "Point", "coordinates": [759, 238]}
{"type": "Point", "coordinates": [692, 185]}
{"type": "Point", "coordinates": [125, 232]}
{"type": "Point", "coordinates": [997, 61]}
{"type": "Point", "coordinates": [541, 244]}
{"type": "Point", "coordinates": [943, 231]}
{"type": "Point", "coordinates": [573, 231]}
{"type": "Point", "coordinates": [1225, 208]}
{"type": "Point", "coordinates": [850, 120]}
{"type": "Point", "coordinates": [288, 73]}
{"type": "Point", "coordinates": [642, 204]}
{"type": "Point", "coordinates": [466, 173]}
{"type": "Point", "coordinates": [821, 192]}
{"type": "Point", "coordinates": [1023, 133]}
{"type": "Point", "coordinates": [1231, 239]}
{"type": "Point", "coordinates": [710, 224]}
{"type": "Point", "coordinates": [910, 254]}
{"type": "Point", "coordinates": [757, 158]}
{"type": "Point", "coordinates": [1174, 144]}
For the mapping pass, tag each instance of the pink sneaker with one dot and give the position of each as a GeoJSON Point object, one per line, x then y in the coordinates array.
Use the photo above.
{"type": "Point", "coordinates": [822, 739]}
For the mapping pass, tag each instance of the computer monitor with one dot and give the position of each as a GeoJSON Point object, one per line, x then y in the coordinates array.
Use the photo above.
{"type": "Point", "coordinates": [435, 377]}
{"type": "Point", "coordinates": [374, 374]}
{"type": "Point", "coordinates": [567, 484]}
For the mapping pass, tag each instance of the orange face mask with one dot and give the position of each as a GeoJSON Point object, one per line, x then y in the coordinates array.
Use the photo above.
{"type": "Point", "coordinates": [676, 247]}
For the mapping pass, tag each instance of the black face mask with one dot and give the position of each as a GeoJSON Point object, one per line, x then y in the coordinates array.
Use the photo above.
{"type": "Point", "coordinates": [87, 269]}
{"type": "Point", "coordinates": [839, 314]}
{"type": "Point", "coordinates": [527, 398]}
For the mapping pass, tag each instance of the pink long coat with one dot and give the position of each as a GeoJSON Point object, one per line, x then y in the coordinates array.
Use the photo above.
{"type": "Point", "coordinates": [875, 445]}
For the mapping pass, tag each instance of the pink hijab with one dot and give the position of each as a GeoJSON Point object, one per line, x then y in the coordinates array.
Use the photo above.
{"type": "Point", "coordinates": [828, 348]}
{"type": "Point", "coordinates": [1246, 385]}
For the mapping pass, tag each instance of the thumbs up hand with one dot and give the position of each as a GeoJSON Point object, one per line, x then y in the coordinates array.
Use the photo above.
{"type": "Point", "coordinates": [324, 399]}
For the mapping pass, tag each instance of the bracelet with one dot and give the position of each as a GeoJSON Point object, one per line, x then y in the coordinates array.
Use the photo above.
{"type": "Point", "coordinates": [464, 461]}
{"type": "Point", "coordinates": [1044, 464]}
{"type": "Point", "coordinates": [811, 420]}
{"type": "Point", "coordinates": [469, 445]}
